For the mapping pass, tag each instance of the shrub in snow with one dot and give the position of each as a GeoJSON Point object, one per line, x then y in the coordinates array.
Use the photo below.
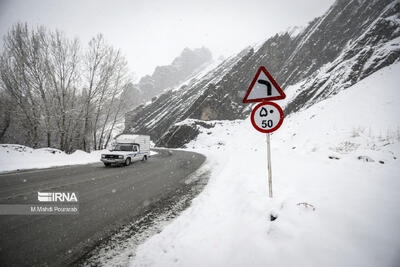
{"type": "Point", "coordinates": [365, 159]}
{"type": "Point", "coordinates": [306, 205]}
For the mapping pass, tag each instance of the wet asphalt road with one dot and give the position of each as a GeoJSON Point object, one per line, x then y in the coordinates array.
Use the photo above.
{"type": "Point", "coordinates": [108, 199]}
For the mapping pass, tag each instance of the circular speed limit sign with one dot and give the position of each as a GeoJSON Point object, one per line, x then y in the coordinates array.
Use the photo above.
{"type": "Point", "coordinates": [267, 117]}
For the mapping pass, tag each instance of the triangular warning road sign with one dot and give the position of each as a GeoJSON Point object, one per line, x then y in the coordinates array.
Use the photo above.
{"type": "Point", "coordinates": [263, 88]}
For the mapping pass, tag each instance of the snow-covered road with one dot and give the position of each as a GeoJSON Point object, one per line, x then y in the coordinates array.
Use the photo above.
{"type": "Point", "coordinates": [108, 198]}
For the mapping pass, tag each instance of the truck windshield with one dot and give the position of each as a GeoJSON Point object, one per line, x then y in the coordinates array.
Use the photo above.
{"type": "Point", "coordinates": [120, 147]}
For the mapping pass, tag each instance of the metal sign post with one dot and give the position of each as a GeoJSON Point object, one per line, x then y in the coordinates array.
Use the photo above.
{"type": "Point", "coordinates": [269, 164]}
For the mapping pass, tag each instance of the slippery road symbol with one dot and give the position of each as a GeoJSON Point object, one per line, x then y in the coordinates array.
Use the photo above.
{"type": "Point", "coordinates": [268, 84]}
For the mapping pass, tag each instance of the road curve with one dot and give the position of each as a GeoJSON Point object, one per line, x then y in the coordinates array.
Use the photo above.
{"type": "Point", "coordinates": [108, 199]}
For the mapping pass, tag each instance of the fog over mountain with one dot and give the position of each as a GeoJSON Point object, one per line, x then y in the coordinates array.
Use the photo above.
{"type": "Point", "coordinates": [189, 62]}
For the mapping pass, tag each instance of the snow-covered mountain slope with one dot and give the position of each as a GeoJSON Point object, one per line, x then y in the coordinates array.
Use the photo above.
{"type": "Point", "coordinates": [376, 45]}
{"type": "Point", "coordinates": [187, 64]}
{"type": "Point", "coordinates": [335, 180]}
{"type": "Point", "coordinates": [352, 40]}
{"type": "Point", "coordinates": [173, 106]}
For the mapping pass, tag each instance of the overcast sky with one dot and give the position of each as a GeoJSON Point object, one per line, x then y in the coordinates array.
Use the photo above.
{"type": "Point", "coordinates": [153, 32]}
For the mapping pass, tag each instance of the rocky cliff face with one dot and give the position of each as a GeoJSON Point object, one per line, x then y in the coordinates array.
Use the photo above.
{"type": "Point", "coordinates": [349, 42]}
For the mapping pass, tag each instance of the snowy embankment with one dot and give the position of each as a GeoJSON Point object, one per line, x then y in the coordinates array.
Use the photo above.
{"type": "Point", "coordinates": [17, 157]}
{"type": "Point", "coordinates": [340, 158]}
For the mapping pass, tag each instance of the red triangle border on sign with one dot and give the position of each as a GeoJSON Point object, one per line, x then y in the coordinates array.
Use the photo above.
{"type": "Point", "coordinates": [274, 83]}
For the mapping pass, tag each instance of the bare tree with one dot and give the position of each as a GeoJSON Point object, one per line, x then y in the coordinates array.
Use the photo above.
{"type": "Point", "coordinates": [106, 74]}
{"type": "Point", "coordinates": [72, 99]}
{"type": "Point", "coordinates": [22, 75]}
{"type": "Point", "coordinates": [62, 65]}
{"type": "Point", "coordinates": [94, 59]}
{"type": "Point", "coordinates": [115, 103]}
{"type": "Point", "coordinates": [5, 113]}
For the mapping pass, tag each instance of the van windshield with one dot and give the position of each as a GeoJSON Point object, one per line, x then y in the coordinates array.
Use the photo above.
{"type": "Point", "coordinates": [121, 147]}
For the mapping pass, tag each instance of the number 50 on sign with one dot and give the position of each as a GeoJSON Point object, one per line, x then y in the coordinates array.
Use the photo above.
{"type": "Point", "coordinates": [267, 117]}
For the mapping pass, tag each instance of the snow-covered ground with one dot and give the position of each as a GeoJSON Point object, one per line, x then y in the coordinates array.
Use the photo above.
{"type": "Point", "coordinates": [18, 157]}
{"type": "Point", "coordinates": [336, 184]}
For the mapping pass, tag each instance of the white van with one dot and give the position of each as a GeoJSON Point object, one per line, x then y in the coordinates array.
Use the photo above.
{"type": "Point", "coordinates": [128, 148]}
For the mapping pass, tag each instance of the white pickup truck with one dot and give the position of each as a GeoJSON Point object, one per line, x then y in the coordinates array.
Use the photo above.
{"type": "Point", "coordinates": [128, 148]}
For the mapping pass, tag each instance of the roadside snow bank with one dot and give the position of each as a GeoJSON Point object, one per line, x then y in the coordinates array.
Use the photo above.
{"type": "Point", "coordinates": [19, 157]}
{"type": "Point", "coordinates": [336, 189]}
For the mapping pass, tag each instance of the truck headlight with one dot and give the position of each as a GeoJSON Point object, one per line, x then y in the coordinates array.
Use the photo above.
{"type": "Point", "coordinates": [103, 156]}
{"type": "Point", "coordinates": [120, 157]}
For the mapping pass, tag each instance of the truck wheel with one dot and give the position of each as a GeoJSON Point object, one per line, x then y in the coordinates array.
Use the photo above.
{"type": "Point", "coordinates": [107, 164]}
{"type": "Point", "coordinates": [128, 162]}
{"type": "Point", "coordinates": [144, 158]}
